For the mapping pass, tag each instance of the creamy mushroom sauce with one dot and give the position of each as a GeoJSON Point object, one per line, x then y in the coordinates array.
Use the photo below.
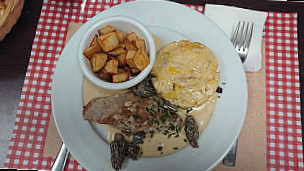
{"type": "Point", "coordinates": [151, 146]}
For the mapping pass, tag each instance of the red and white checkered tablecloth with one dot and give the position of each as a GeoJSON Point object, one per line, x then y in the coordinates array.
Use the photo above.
{"type": "Point", "coordinates": [284, 135]}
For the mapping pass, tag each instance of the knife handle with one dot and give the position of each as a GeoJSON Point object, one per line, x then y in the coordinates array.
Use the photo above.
{"type": "Point", "coordinates": [60, 160]}
{"type": "Point", "coordinates": [229, 160]}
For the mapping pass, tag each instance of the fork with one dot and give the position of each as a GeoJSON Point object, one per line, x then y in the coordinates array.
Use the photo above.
{"type": "Point", "coordinates": [241, 38]}
{"type": "Point", "coordinates": [241, 41]}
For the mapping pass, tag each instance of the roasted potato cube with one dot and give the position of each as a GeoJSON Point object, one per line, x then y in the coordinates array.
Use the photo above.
{"type": "Point", "coordinates": [129, 45]}
{"type": "Point", "coordinates": [121, 36]}
{"type": "Point", "coordinates": [129, 58]}
{"type": "Point", "coordinates": [120, 70]}
{"type": "Point", "coordinates": [94, 41]}
{"type": "Point", "coordinates": [112, 66]}
{"type": "Point", "coordinates": [120, 77]}
{"type": "Point", "coordinates": [132, 36]}
{"type": "Point", "coordinates": [140, 44]}
{"type": "Point", "coordinates": [117, 51]}
{"type": "Point", "coordinates": [88, 52]}
{"type": "Point", "coordinates": [108, 41]}
{"type": "Point", "coordinates": [146, 55]}
{"type": "Point", "coordinates": [105, 30]}
{"type": "Point", "coordinates": [111, 57]}
{"type": "Point", "coordinates": [2, 5]}
{"type": "Point", "coordinates": [98, 61]}
{"type": "Point", "coordinates": [141, 60]}
{"type": "Point", "coordinates": [127, 68]}
{"type": "Point", "coordinates": [122, 45]}
{"type": "Point", "coordinates": [104, 75]}
{"type": "Point", "coordinates": [121, 59]}
{"type": "Point", "coordinates": [134, 71]}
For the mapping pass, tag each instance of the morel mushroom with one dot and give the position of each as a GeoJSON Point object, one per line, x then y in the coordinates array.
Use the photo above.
{"type": "Point", "coordinates": [118, 148]}
{"type": "Point", "coordinates": [191, 130]}
{"type": "Point", "coordinates": [138, 137]}
{"type": "Point", "coordinates": [146, 89]}
{"type": "Point", "coordinates": [132, 151]}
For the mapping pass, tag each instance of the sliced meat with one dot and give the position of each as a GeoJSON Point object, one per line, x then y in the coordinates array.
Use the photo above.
{"type": "Point", "coordinates": [131, 113]}
{"type": "Point", "coordinates": [99, 109]}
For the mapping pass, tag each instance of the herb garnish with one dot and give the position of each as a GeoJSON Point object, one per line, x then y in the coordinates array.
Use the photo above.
{"type": "Point", "coordinates": [171, 127]}
{"type": "Point", "coordinates": [169, 114]}
{"type": "Point", "coordinates": [175, 148]}
{"type": "Point", "coordinates": [134, 117]}
{"type": "Point", "coordinates": [159, 148]}
{"type": "Point", "coordinates": [166, 132]}
{"type": "Point", "coordinates": [156, 121]}
{"type": "Point", "coordinates": [152, 134]}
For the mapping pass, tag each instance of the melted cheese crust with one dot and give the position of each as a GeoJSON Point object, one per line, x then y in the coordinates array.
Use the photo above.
{"type": "Point", "coordinates": [185, 73]}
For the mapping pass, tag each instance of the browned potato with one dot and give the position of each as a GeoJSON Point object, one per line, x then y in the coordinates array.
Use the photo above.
{"type": "Point", "coordinates": [127, 68]}
{"type": "Point", "coordinates": [140, 44]}
{"type": "Point", "coordinates": [129, 58]}
{"type": "Point", "coordinates": [122, 45]}
{"type": "Point", "coordinates": [104, 75]}
{"type": "Point", "coordinates": [121, 59]}
{"type": "Point", "coordinates": [135, 71]}
{"type": "Point", "coordinates": [111, 57]}
{"type": "Point", "coordinates": [117, 51]}
{"type": "Point", "coordinates": [88, 52]}
{"type": "Point", "coordinates": [120, 70]}
{"type": "Point", "coordinates": [2, 5]}
{"type": "Point", "coordinates": [94, 41]}
{"type": "Point", "coordinates": [105, 30]}
{"type": "Point", "coordinates": [121, 77]}
{"type": "Point", "coordinates": [129, 45]}
{"type": "Point", "coordinates": [132, 36]}
{"type": "Point", "coordinates": [108, 41]}
{"type": "Point", "coordinates": [141, 60]}
{"type": "Point", "coordinates": [115, 55]}
{"type": "Point", "coordinates": [112, 66]}
{"type": "Point", "coordinates": [121, 36]}
{"type": "Point", "coordinates": [98, 61]}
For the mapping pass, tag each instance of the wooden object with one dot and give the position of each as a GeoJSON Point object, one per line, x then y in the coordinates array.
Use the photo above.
{"type": "Point", "coordinates": [10, 11]}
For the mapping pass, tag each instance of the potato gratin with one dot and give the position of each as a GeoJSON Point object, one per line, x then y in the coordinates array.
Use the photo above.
{"type": "Point", "coordinates": [185, 73]}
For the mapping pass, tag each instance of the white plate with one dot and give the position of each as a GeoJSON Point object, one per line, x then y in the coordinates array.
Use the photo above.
{"type": "Point", "coordinates": [170, 21]}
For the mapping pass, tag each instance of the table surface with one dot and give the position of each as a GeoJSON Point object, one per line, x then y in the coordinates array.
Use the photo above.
{"type": "Point", "coordinates": [15, 52]}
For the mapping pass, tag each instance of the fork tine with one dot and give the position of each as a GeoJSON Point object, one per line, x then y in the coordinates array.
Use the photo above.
{"type": "Point", "coordinates": [234, 37]}
{"type": "Point", "coordinates": [240, 36]}
{"type": "Point", "coordinates": [243, 35]}
{"type": "Point", "coordinates": [248, 35]}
